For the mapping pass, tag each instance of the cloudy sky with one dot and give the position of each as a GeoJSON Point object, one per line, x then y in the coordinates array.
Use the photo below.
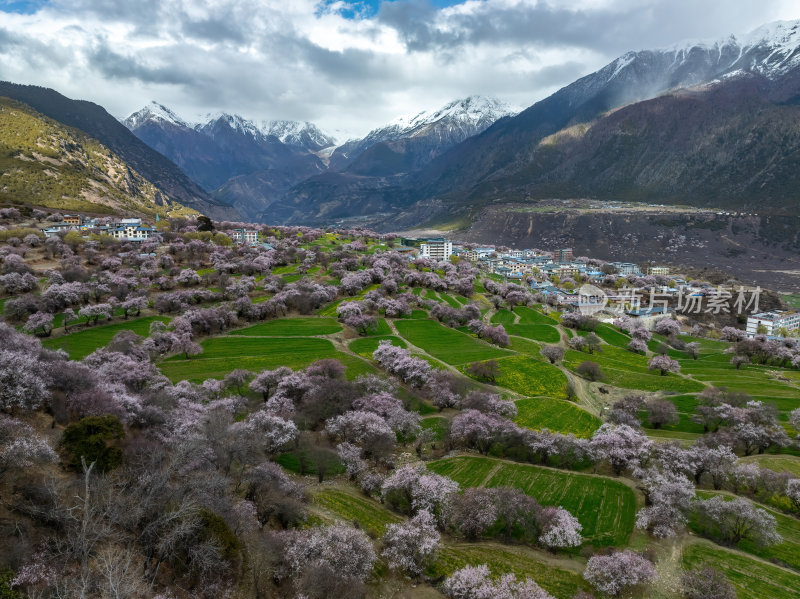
{"type": "Point", "coordinates": [347, 65]}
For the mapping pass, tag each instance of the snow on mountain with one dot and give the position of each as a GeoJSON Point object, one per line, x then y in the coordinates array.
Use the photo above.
{"type": "Point", "coordinates": [444, 127]}
{"type": "Point", "coordinates": [234, 121]}
{"type": "Point", "coordinates": [154, 112]}
{"type": "Point", "coordinates": [295, 133]}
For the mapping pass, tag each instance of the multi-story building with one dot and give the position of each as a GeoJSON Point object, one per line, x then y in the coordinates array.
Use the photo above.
{"type": "Point", "coordinates": [71, 219]}
{"type": "Point", "coordinates": [771, 323]}
{"type": "Point", "coordinates": [438, 250]}
{"type": "Point", "coordinates": [563, 256]}
{"type": "Point", "coordinates": [658, 270]}
{"type": "Point", "coordinates": [129, 229]}
{"type": "Point", "coordinates": [626, 268]}
{"type": "Point", "coordinates": [249, 236]}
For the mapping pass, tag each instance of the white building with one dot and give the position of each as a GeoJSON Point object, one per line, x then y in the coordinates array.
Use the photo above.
{"type": "Point", "coordinates": [437, 250]}
{"type": "Point", "coordinates": [249, 236]}
{"type": "Point", "coordinates": [772, 322]}
{"type": "Point", "coordinates": [130, 229]}
{"type": "Point", "coordinates": [626, 268]}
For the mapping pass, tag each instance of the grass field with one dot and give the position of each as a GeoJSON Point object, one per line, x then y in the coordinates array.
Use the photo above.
{"type": "Point", "coordinates": [436, 424]}
{"type": "Point", "coordinates": [526, 346]}
{"type": "Point", "coordinates": [786, 553]}
{"type": "Point", "coordinates": [538, 332]}
{"type": "Point", "coordinates": [292, 327]}
{"type": "Point", "coordinates": [504, 317]}
{"type": "Point", "coordinates": [754, 579]}
{"type": "Point", "coordinates": [223, 354]}
{"type": "Point", "coordinates": [531, 377]}
{"type": "Point", "coordinates": [628, 370]}
{"type": "Point", "coordinates": [531, 316]}
{"type": "Point", "coordinates": [610, 335]}
{"type": "Point", "coordinates": [350, 506]}
{"type": "Point", "coordinates": [604, 507]}
{"type": "Point", "coordinates": [291, 461]}
{"type": "Point", "coordinates": [364, 346]}
{"type": "Point", "coordinates": [448, 345]}
{"type": "Point", "coordinates": [84, 341]}
{"type": "Point", "coordinates": [777, 463]}
{"type": "Point", "coordinates": [557, 415]}
{"type": "Point", "coordinates": [505, 559]}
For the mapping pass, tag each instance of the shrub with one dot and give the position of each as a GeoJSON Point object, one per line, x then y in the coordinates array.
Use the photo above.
{"type": "Point", "coordinates": [92, 438]}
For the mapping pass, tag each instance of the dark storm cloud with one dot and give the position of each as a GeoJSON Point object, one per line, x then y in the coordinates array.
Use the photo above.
{"type": "Point", "coordinates": [615, 28]}
{"type": "Point", "coordinates": [298, 59]}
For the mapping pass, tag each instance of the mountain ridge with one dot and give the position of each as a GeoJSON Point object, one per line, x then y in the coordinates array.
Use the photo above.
{"type": "Point", "coordinates": [45, 163]}
{"type": "Point", "coordinates": [97, 123]}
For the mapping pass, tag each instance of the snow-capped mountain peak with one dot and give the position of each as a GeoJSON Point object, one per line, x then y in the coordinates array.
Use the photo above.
{"type": "Point", "coordinates": [471, 109]}
{"type": "Point", "coordinates": [295, 133]}
{"type": "Point", "coordinates": [234, 121]}
{"type": "Point", "coordinates": [154, 112]}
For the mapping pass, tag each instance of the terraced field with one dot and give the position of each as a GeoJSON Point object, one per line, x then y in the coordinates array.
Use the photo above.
{"type": "Point", "coordinates": [629, 371]}
{"type": "Point", "coordinates": [538, 332]}
{"type": "Point", "coordinates": [223, 354]}
{"type": "Point", "coordinates": [365, 346]}
{"type": "Point", "coordinates": [557, 415]}
{"type": "Point", "coordinates": [754, 579]}
{"type": "Point", "coordinates": [531, 377]}
{"type": "Point", "coordinates": [521, 561]}
{"type": "Point", "coordinates": [347, 505]}
{"type": "Point", "coordinates": [786, 553]}
{"type": "Point", "coordinates": [777, 463]}
{"type": "Point", "coordinates": [82, 342]}
{"type": "Point", "coordinates": [448, 345]}
{"type": "Point", "coordinates": [291, 327]}
{"type": "Point", "coordinates": [604, 507]}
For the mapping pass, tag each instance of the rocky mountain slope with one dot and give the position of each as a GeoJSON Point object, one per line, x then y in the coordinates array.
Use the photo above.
{"type": "Point", "coordinates": [94, 121]}
{"type": "Point", "coordinates": [216, 153]}
{"type": "Point", "coordinates": [45, 163]}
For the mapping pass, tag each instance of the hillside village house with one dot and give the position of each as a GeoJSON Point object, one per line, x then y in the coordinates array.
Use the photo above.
{"type": "Point", "coordinates": [658, 270]}
{"type": "Point", "coordinates": [129, 229]}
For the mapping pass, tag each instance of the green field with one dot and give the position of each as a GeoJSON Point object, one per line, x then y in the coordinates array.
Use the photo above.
{"type": "Point", "coordinates": [84, 341]}
{"type": "Point", "coordinates": [786, 553]}
{"type": "Point", "coordinates": [557, 415]}
{"type": "Point", "coordinates": [223, 354]}
{"type": "Point", "coordinates": [436, 424]}
{"type": "Point", "coordinates": [365, 346]}
{"type": "Point", "coordinates": [628, 370]}
{"type": "Point", "coordinates": [352, 507]}
{"type": "Point", "coordinates": [610, 334]}
{"type": "Point", "coordinates": [531, 316]}
{"type": "Point", "coordinates": [291, 327]}
{"type": "Point", "coordinates": [604, 507]}
{"type": "Point", "coordinates": [504, 317]}
{"type": "Point", "coordinates": [503, 559]}
{"type": "Point", "coordinates": [777, 463]}
{"type": "Point", "coordinates": [291, 461]}
{"type": "Point", "coordinates": [753, 578]}
{"type": "Point", "coordinates": [448, 345]}
{"type": "Point", "coordinates": [531, 377]}
{"type": "Point", "coordinates": [538, 332]}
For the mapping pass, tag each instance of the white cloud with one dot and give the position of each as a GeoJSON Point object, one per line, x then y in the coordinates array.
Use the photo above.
{"type": "Point", "coordinates": [294, 59]}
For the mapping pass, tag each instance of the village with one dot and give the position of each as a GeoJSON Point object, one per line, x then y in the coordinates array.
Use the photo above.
{"type": "Point", "coordinates": [645, 294]}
